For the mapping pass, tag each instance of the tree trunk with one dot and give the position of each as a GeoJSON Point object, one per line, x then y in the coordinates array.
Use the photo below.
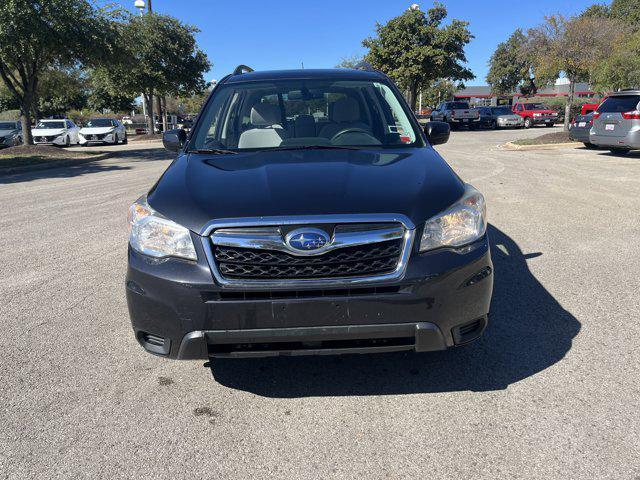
{"type": "Point", "coordinates": [413, 95]}
{"type": "Point", "coordinates": [165, 122]}
{"type": "Point", "coordinates": [25, 120]}
{"type": "Point", "coordinates": [567, 108]}
{"type": "Point", "coordinates": [149, 99]}
{"type": "Point", "coordinates": [159, 107]}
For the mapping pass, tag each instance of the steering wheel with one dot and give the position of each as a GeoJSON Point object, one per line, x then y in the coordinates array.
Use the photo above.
{"type": "Point", "coordinates": [350, 130]}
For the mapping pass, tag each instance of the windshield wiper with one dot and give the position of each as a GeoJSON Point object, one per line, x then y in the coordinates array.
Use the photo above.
{"type": "Point", "coordinates": [313, 147]}
{"type": "Point", "coordinates": [215, 151]}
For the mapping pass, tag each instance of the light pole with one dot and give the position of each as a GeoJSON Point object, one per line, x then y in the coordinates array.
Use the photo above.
{"type": "Point", "coordinates": [140, 4]}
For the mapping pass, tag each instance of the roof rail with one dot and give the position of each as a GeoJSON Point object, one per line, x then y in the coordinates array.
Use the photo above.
{"type": "Point", "coordinates": [240, 69]}
{"type": "Point", "coordinates": [364, 66]}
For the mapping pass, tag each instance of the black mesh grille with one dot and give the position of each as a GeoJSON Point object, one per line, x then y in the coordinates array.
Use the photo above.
{"type": "Point", "coordinates": [362, 260]}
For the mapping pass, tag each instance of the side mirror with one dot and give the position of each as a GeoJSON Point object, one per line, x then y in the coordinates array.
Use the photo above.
{"type": "Point", "coordinates": [437, 132]}
{"type": "Point", "coordinates": [173, 140]}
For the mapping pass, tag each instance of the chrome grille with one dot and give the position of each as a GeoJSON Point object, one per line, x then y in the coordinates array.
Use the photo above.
{"type": "Point", "coordinates": [370, 259]}
{"type": "Point", "coordinates": [257, 253]}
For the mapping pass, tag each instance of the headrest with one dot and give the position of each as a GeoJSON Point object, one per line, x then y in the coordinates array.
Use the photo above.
{"type": "Point", "coordinates": [265, 114]}
{"type": "Point", "coordinates": [305, 121]}
{"type": "Point", "coordinates": [346, 110]}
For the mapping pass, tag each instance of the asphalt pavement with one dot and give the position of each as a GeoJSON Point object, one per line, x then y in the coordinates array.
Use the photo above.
{"type": "Point", "coordinates": [551, 391]}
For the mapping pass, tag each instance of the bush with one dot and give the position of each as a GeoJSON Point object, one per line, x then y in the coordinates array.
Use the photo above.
{"type": "Point", "coordinates": [80, 117]}
{"type": "Point", "coordinates": [13, 115]}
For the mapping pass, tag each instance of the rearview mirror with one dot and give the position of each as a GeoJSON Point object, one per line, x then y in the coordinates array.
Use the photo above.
{"type": "Point", "coordinates": [173, 140]}
{"type": "Point", "coordinates": [437, 132]}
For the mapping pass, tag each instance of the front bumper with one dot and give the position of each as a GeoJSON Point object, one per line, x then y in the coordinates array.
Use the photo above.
{"type": "Point", "coordinates": [465, 121]}
{"type": "Point", "coordinates": [509, 123]}
{"type": "Point", "coordinates": [544, 120]}
{"type": "Point", "coordinates": [49, 140]}
{"type": "Point", "coordinates": [107, 138]}
{"type": "Point", "coordinates": [178, 311]}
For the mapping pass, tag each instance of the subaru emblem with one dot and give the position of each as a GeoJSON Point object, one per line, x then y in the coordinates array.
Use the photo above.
{"type": "Point", "coordinates": [307, 239]}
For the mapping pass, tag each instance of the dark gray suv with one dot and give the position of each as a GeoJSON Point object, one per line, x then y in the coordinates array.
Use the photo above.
{"type": "Point", "coordinates": [307, 213]}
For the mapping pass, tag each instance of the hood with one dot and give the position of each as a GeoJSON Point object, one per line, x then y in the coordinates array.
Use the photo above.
{"type": "Point", "coordinates": [45, 132]}
{"type": "Point", "coordinates": [198, 188]}
{"type": "Point", "coordinates": [96, 130]}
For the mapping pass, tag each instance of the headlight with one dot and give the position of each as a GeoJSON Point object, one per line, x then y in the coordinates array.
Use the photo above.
{"type": "Point", "coordinates": [460, 224]}
{"type": "Point", "coordinates": [152, 234]}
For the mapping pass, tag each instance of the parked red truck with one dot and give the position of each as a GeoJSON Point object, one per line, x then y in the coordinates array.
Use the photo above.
{"type": "Point", "coordinates": [535, 114]}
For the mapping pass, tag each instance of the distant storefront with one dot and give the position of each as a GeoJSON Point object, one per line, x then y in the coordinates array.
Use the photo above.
{"type": "Point", "coordinates": [481, 95]}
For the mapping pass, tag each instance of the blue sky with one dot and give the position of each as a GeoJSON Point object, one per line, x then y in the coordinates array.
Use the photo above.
{"type": "Point", "coordinates": [284, 33]}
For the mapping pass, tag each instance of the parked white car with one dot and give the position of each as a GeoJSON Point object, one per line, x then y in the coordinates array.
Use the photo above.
{"type": "Point", "coordinates": [103, 130]}
{"type": "Point", "coordinates": [10, 134]}
{"type": "Point", "coordinates": [56, 132]}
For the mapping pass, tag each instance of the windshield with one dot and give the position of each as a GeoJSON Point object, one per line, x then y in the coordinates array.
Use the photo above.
{"type": "Point", "coordinates": [304, 113]}
{"type": "Point", "coordinates": [99, 122]}
{"type": "Point", "coordinates": [501, 111]}
{"type": "Point", "coordinates": [619, 104]}
{"type": "Point", "coordinates": [535, 106]}
{"type": "Point", "coordinates": [50, 125]}
{"type": "Point", "coordinates": [8, 126]}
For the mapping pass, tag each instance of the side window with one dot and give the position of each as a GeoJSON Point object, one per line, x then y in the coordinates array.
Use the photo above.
{"type": "Point", "coordinates": [519, 107]}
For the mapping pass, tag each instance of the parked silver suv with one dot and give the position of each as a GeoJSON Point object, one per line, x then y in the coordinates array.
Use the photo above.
{"type": "Point", "coordinates": [616, 122]}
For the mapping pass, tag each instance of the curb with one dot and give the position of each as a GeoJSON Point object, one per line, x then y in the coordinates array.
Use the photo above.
{"type": "Point", "coordinates": [542, 146]}
{"type": "Point", "coordinates": [54, 164]}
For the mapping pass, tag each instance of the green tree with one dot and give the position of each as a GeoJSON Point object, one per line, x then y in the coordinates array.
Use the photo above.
{"type": "Point", "coordinates": [597, 10]}
{"type": "Point", "coordinates": [510, 67]}
{"type": "Point", "coordinates": [621, 68]}
{"type": "Point", "coordinates": [190, 103]}
{"type": "Point", "coordinates": [350, 62]}
{"type": "Point", "coordinates": [60, 90]}
{"type": "Point", "coordinates": [417, 48]}
{"type": "Point", "coordinates": [37, 35]}
{"type": "Point", "coordinates": [439, 91]}
{"type": "Point", "coordinates": [163, 59]}
{"type": "Point", "coordinates": [102, 98]}
{"type": "Point", "coordinates": [557, 48]}
{"type": "Point", "coordinates": [627, 11]}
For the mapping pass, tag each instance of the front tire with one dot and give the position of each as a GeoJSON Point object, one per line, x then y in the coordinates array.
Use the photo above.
{"type": "Point", "coordinates": [67, 141]}
{"type": "Point", "coordinates": [125, 140]}
{"type": "Point", "coordinates": [528, 123]}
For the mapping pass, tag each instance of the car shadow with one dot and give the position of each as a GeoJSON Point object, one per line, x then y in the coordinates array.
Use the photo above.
{"type": "Point", "coordinates": [528, 332]}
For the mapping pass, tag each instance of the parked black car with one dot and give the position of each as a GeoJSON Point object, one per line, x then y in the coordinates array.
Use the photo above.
{"type": "Point", "coordinates": [579, 129]}
{"type": "Point", "coordinates": [307, 213]}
